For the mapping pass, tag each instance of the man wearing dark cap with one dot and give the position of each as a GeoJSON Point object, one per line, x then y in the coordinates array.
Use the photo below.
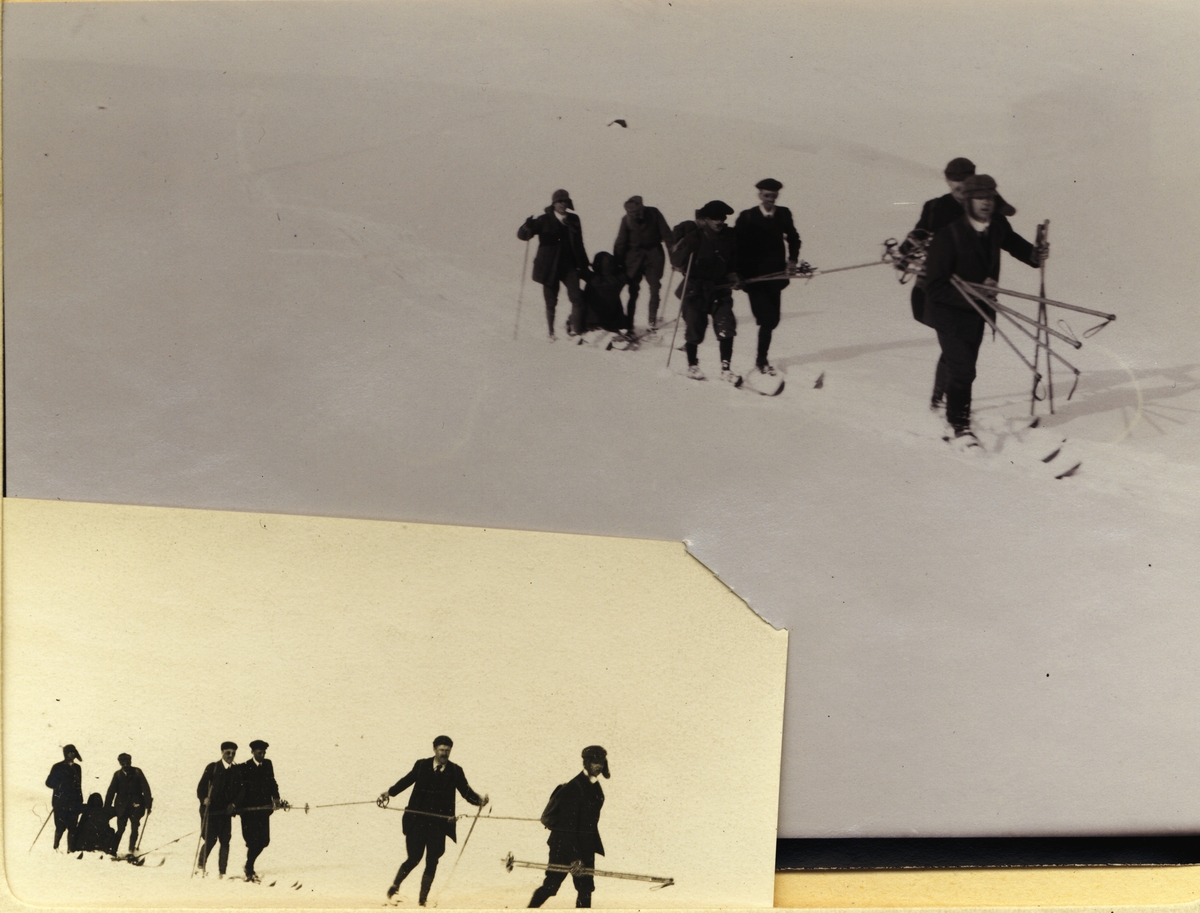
{"type": "Point", "coordinates": [761, 233]}
{"type": "Point", "coordinates": [65, 780]}
{"type": "Point", "coordinates": [708, 255]}
{"type": "Point", "coordinates": [128, 798]}
{"type": "Point", "coordinates": [561, 258]}
{"type": "Point", "coordinates": [573, 817]}
{"type": "Point", "coordinates": [968, 248]}
{"type": "Point", "coordinates": [218, 793]}
{"type": "Point", "coordinates": [937, 214]}
{"type": "Point", "coordinates": [257, 799]}
{"type": "Point", "coordinates": [639, 251]}
{"type": "Point", "coordinates": [429, 817]}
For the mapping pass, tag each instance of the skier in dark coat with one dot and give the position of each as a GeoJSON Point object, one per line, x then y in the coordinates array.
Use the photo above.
{"type": "Point", "coordinates": [573, 817]}
{"type": "Point", "coordinates": [561, 257]}
{"type": "Point", "coordinates": [602, 296]}
{"type": "Point", "coordinates": [94, 832]}
{"type": "Point", "coordinates": [218, 794]}
{"type": "Point", "coordinates": [128, 798]}
{"type": "Point", "coordinates": [429, 816]}
{"type": "Point", "coordinates": [65, 780]}
{"type": "Point", "coordinates": [708, 254]}
{"type": "Point", "coordinates": [936, 214]}
{"type": "Point", "coordinates": [970, 249]}
{"type": "Point", "coordinates": [761, 233]}
{"type": "Point", "coordinates": [258, 789]}
{"type": "Point", "coordinates": [639, 250]}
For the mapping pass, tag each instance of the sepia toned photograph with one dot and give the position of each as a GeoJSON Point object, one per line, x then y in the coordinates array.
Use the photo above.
{"type": "Point", "coordinates": [280, 711]}
{"type": "Point", "coordinates": [884, 311]}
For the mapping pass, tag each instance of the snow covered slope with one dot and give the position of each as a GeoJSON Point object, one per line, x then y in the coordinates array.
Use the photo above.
{"type": "Point", "coordinates": [273, 266]}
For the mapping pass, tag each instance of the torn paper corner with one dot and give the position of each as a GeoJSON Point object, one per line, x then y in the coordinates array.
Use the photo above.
{"type": "Point", "coordinates": [691, 547]}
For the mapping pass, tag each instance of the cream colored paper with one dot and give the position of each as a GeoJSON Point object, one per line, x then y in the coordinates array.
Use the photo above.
{"type": "Point", "coordinates": [349, 645]}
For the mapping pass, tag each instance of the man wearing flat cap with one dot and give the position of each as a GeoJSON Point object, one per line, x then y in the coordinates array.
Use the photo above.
{"type": "Point", "coordinates": [761, 235]}
{"type": "Point", "coordinates": [573, 817]}
{"type": "Point", "coordinates": [561, 258]}
{"type": "Point", "coordinates": [128, 798]}
{"type": "Point", "coordinates": [639, 251]}
{"type": "Point", "coordinates": [429, 817]}
{"type": "Point", "coordinates": [66, 780]}
{"type": "Point", "coordinates": [257, 799]}
{"type": "Point", "coordinates": [935, 215]}
{"type": "Point", "coordinates": [707, 253]}
{"type": "Point", "coordinates": [218, 794]}
{"type": "Point", "coordinates": [968, 248]}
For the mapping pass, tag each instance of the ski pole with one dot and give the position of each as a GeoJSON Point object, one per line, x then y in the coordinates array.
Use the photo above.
{"type": "Point", "coordinates": [462, 849]}
{"type": "Point", "coordinates": [1050, 301]}
{"type": "Point", "coordinates": [576, 869]}
{"type": "Point", "coordinates": [682, 297]}
{"type": "Point", "coordinates": [142, 831]}
{"type": "Point", "coordinates": [973, 297]}
{"type": "Point", "coordinates": [165, 845]}
{"type": "Point", "coordinates": [203, 830]}
{"type": "Point", "coordinates": [521, 295]}
{"type": "Point", "coordinates": [42, 828]}
{"type": "Point", "coordinates": [670, 279]}
{"type": "Point", "coordinates": [1040, 325]}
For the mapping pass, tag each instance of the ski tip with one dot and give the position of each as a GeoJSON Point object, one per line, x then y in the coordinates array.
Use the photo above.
{"type": "Point", "coordinates": [1037, 421]}
{"type": "Point", "coordinates": [1070, 472]}
{"type": "Point", "coordinates": [820, 382]}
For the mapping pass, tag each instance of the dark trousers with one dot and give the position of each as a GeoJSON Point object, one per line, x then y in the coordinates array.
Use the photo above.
{"type": "Point", "coordinates": [650, 267]}
{"type": "Point", "coordinates": [570, 279]}
{"type": "Point", "coordinates": [764, 304]}
{"type": "Point", "coordinates": [134, 817]}
{"type": "Point", "coordinates": [218, 827]}
{"type": "Point", "coordinates": [66, 820]}
{"type": "Point", "coordinates": [954, 375]}
{"type": "Point", "coordinates": [432, 845]}
{"type": "Point", "coordinates": [697, 308]}
{"type": "Point", "coordinates": [256, 831]}
{"type": "Point", "coordinates": [584, 884]}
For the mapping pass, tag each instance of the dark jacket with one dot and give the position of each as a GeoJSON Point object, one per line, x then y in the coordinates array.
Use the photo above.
{"type": "Point", "coordinates": [761, 242]}
{"type": "Point", "coordinates": [433, 792]}
{"type": "Point", "coordinates": [258, 786]}
{"type": "Point", "coordinates": [128, 791]}
{"type": "Point", "coordinates": [958, 250]}
{"type": "Point", "coordinates": [225, 784]}
{"type": "Point", "coordinates": [637, 237]}
{"type": "Point", "coordinates": [66, 779]}
{"type": "Point", "coordinates": [713, 254]}
{"type": "Point", "coordinates": [602, 297]}
{"type": "Point", "coordinates": [573, 816]}
{"type": "Point", "coordinates": [93, 830]}
{"type": "Point", "coordinates": [560, 246]}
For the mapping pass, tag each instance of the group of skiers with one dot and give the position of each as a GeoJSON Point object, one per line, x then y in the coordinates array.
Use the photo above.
{"type": "Point", "coordinates": [225, 790]}
{"type": "Point", "coordinates": [959, 234]}
{"type": "Point", "coordinates": [87, 826]}
{"type": "Point", "coordinates": [249, 791]}
{"type": "Point", "coordinates": [759, 253]}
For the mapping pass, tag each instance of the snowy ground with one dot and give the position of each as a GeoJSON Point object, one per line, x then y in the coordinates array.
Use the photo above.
{"type": "Point", "coordinates": [272, 265]}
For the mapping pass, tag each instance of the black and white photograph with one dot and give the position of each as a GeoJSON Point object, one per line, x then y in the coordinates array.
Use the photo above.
{"type": "Point", "coordinates": [884, 311]}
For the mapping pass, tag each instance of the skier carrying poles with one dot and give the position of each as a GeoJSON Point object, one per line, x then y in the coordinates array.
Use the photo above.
{"type": "Point", "coordinates": [968, 250]}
